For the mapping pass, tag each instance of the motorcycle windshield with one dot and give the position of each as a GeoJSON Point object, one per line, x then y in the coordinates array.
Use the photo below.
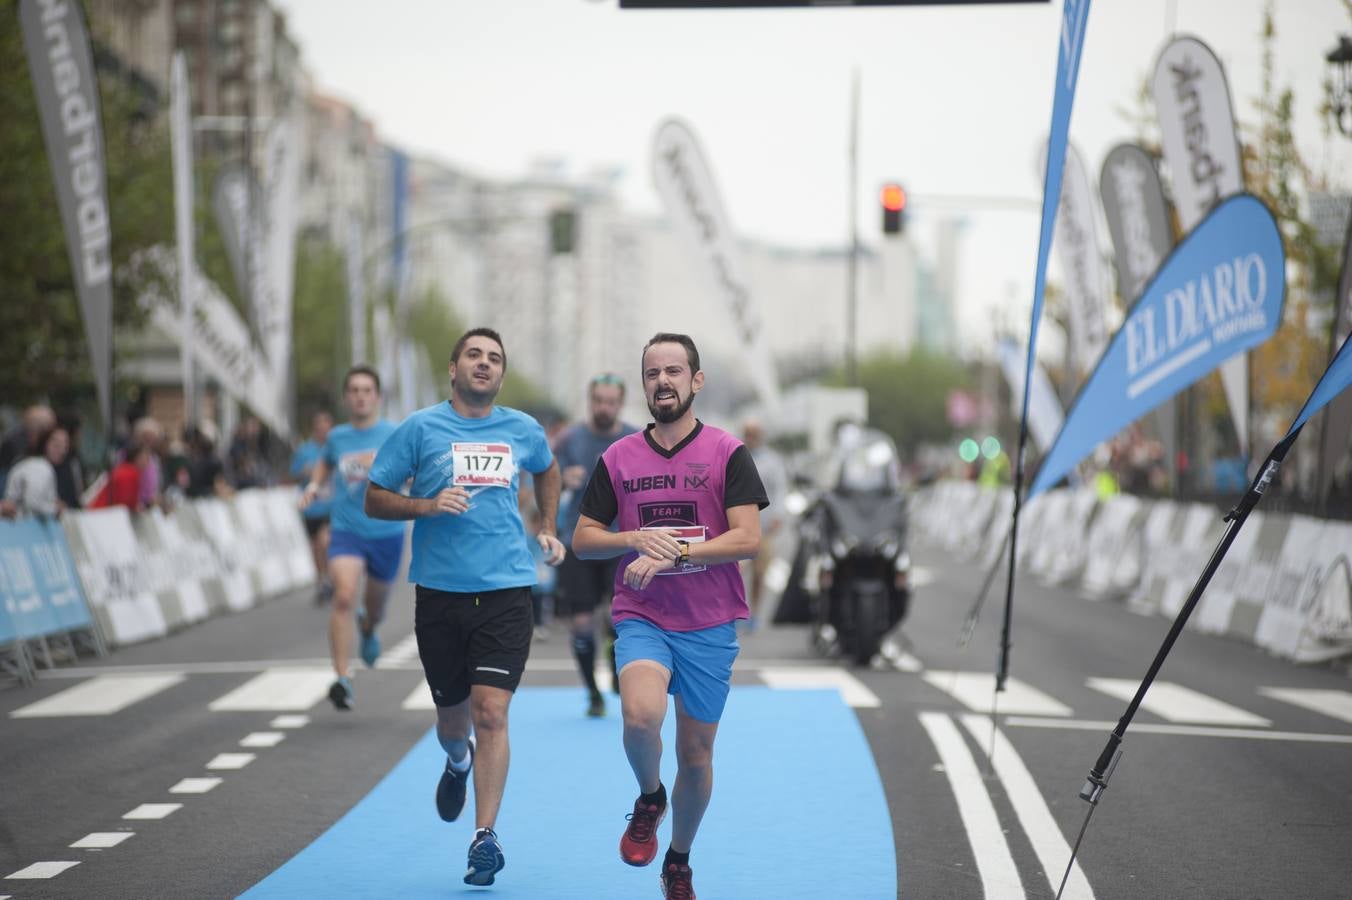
{"type": "Point", "coordinates": [866, 517]}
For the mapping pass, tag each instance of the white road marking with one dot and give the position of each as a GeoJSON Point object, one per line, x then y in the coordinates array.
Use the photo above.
{"type": "Point", "coordinates": [566, 664]}
{"type": "Point", "coordinates": [43, 870]}
{"type": "Point", "coordinates": [195, 785]}
{"type": "Point", "coordinates": [203, 668]}
{"type": "Point", "coordinates": [975, 690]}
{"type": "Point", "coordinates": [102, 840]}
{"type": "Point", "coordinates": [224, 761]}
{"type": "Point", "coordinates": [1176, 703]}
{"type": "Point", "coordinates": [1183, 730]}
{"type": "Point", "coordinates": [1053, 852]}
{"type": "Point", "coordinates": [153, 811]}
{"type": "Point", "coordinates": [263, 739]}
{"type": "Point", "coordinates": [278, 689]}
{"type": "Point", "coordinates": [420, 698]}
{"type": "Point", "coordinates": [99, 696]}
{"type": "Point", "coordinates": [905, 662]}
{"type": "Point", "coordinates": [999, 875]}
{"type": "Point", "coordinates": [401, 655]}
{"type": "Point", "coordinates": [1333, 703]}
{"type": "Point", "coordinates": [853, 691]}
{"type": "Point", "coordinates": [292, 720]}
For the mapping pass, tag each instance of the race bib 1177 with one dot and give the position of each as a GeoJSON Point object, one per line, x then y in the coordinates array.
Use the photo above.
{"type": "Point", "coordinates": [482, 465]}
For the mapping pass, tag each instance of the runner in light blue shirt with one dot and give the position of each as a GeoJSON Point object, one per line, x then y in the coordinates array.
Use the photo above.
{"type": "Point", "coordinates": [473, 569]}
{"type": "Point", "coordinates": [357, 542]}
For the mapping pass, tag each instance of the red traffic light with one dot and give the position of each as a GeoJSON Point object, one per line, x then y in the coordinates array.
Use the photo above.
{"type": "Point", "coordinates": [893, 197]}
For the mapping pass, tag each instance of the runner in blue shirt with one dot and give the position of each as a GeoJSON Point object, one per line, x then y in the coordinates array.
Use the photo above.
{"type": "Point", "coordinates": [585, 584]}
{"type": "Point", "coordinates": [472, 568]}
{"type": "Point", "coordinates": [316, 515]}
{"type": "Point", "coordinates": [357, 541]}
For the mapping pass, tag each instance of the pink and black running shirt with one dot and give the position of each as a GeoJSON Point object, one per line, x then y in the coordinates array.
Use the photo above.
{"type": "Point", "coordinates": [690, 488]}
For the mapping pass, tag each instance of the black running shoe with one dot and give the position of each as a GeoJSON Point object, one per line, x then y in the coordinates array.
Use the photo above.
{"type": "Point", "coordinates": [451, 790]}
{"type": "Point", "coordinates": [340, 694]}
{"type": "Point", "coordinates": [485, 858]}
{"type": "Point", "coordinates": [596, 708]}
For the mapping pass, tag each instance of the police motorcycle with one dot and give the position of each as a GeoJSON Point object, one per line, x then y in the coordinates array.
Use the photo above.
{"type": "Point", "coordinates": [854, 538]}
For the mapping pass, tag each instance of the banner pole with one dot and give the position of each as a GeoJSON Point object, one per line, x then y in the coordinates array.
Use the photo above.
{"type": "Point", "coordinates": [969, 624]}
{"type": "Point", "coordinates": [1097, 781]}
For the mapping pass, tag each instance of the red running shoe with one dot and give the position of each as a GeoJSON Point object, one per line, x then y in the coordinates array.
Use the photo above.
{"type": "Point", "coordinates": [638, 847]}
{"type": "Point", "coordinates": [676, 884]}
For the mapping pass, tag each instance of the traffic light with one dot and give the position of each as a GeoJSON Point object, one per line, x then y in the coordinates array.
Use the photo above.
{"type": "Point", "coordinates": [562, 230]}
{"type": "Point", "coordinates": [893, 198]}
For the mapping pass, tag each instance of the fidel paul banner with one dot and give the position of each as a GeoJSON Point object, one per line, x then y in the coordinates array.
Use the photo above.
{"type": "Point", "coordinates": [1219, 293]}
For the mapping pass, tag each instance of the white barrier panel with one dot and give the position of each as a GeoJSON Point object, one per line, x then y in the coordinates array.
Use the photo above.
{"type": "Point", "coordinates": [1235, 597]}
{"type": "Point", "coordinates": [221, 530]}
{"type": "Point", "coordinates": [1285, 585]}
{"type": "Point", "coordinates": [1037, 517]}
{"type": "Point", "coordinates": [1113, 564]}
{"type": "Point", "coordinates": [205, 564]}
{"type": "Point", "coordinates": [1307, 610]}
{"type": "Point", "coordinates": [169, 571]}
{"type": "Point", "coordinates": [1159, 523]}
{"type": "Point", "coordinates": [193, 563]}
{"type": "Point", "coordinates": [146, 576]}
{"type": "Point", "coordinates": [267, 567]}
{"type": "Point", "coordinates": [292, 542]}
{"type": "Point", "coordinates": [997, 532]}
{"type": "Point", "coordinates": [103, 546]}
{"type": "Point", "coordinates": [1069, 536]}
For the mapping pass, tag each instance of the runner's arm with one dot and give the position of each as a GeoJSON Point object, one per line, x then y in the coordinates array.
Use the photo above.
{"type": "Point", "coordinates": [382, 503]}
{"type": "Point", "coordinates": [547, 486]}
{"type": "Point", "coordinates": [318, 475]}
{"type": "Point", "coordinates": [595, 540]}
{"type": "Point", "coordinates": [740, 541]}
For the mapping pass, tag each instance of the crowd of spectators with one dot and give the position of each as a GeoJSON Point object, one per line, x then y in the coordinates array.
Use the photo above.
{"type": "Point", "coordinates": [43, 465]}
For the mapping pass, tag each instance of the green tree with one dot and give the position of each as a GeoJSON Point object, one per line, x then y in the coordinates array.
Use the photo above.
{"type": "Point", "coordinates": [908, 395]}
{"type": "Point", "coordinates": [1293, 359]}
{"type": "Point", "coordinates": [43, 351]}
{"type": "Point", "coordinates": [321, 340]}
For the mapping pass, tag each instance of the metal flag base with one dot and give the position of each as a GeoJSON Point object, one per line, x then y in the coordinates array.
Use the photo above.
{"type": "Point", "coordinates": [1093, 789]}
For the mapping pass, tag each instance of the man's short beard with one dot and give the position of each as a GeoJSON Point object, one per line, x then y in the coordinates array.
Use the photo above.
{"type": "Point", "coordinates": [603, 421]}
{"type": "Point", "coordinates": [475, 396]}
{"type": "Point", "coordinates": [666, 417]}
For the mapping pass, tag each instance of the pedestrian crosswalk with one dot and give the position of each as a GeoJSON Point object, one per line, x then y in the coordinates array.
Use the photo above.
{"type": "Point", "coordinates": [100, 696]}
{"type": "Point", "coordinates": [283, 690]}
{"type": "Point", "coordinates": [1176, 703]}
{"type": "Point", "coordinates": [974, 690]}
{"type": "Point", "coordinates": [292, 690]}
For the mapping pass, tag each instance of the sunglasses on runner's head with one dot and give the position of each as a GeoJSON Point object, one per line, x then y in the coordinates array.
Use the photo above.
{"type": "Point", "coordinates": [608, 379]}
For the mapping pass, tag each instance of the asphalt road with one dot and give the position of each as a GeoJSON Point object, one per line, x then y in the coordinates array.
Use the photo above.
{"type": "Point", "coordinates": [1230, 785]}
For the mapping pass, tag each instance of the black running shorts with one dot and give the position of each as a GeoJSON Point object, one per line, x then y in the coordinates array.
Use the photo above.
{"type": "Point", "coordinates": [584, 583]}
{"type": "Point", "coordinates": [467, 639]}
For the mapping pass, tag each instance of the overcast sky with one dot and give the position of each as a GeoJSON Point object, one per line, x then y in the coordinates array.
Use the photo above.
{"type": "Point", "coordinates": [955, 101]}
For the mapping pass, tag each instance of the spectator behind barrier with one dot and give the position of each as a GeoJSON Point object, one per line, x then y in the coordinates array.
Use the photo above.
{"type": "Point", "coordinates": [18, 443]}
{"type": "Point", "coordinates": [123, 487]}
{"type": "Point", "coordinates": [30, 489]}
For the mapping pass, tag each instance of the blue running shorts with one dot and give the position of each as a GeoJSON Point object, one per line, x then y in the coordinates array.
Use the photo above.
{"type": "Point", "coordinates": [382, 555]}
{"type": "Point", "coordinates": [700, 662]}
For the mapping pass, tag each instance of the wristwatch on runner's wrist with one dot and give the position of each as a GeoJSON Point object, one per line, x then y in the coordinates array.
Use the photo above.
{"type": "Point", "coordinates": [684, 559]}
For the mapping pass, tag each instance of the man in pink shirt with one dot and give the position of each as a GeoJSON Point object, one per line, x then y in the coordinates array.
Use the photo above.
{"type": "Point", "coordinates": [687, 499]}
